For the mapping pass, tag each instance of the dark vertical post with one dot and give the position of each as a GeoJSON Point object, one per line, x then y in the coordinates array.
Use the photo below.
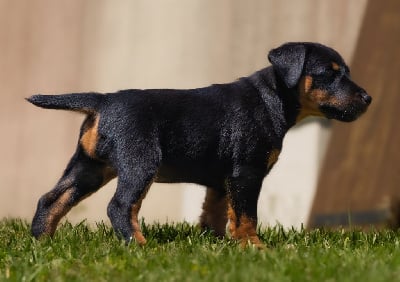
{"type": "Point", "coordinates": [361, 172]}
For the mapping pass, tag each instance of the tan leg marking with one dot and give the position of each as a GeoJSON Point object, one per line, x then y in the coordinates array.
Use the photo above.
{"type": "Point", "coordinates": [245, 231]}
{"type": "Point", "coordinates": [232, 221]}
{"type": "Point", "coordinates": [137, 232]}
{"type": "Point", "coordinates": [58, 209]}
{"type": "Point", "coordinates": [61, 206]}
{"type": "Point", "coordinates": [90, 138]}
{"type": "Point", "coordinates": [214, 212]}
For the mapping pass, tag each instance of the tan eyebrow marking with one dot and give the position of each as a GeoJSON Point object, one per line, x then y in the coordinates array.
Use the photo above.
{"type": "Point", "coordinates": [335, 66]}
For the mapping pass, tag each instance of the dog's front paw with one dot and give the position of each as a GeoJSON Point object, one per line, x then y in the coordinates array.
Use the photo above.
{"type": "Point", "coordinates": [252, 242]}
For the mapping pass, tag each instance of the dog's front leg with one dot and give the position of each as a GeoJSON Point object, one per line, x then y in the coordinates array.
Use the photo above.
{"type": "Point", "coordinates": [243, 190]}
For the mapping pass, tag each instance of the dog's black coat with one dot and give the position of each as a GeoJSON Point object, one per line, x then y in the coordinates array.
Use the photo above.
{"type": "Point", "coordinates": [225, 136]}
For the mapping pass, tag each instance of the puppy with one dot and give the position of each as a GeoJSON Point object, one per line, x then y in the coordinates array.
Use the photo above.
{"type": "Point", "coordinates": [226, 137]}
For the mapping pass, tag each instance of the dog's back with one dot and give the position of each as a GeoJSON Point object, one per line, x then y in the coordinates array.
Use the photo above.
{"type": "Point", "coordinates": [226, 137]}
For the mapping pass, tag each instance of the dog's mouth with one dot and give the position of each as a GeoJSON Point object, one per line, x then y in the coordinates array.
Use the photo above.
{"type": "Point", "coordinates": [346, 114]}
{"type": "Point", "coordinates": [349, 110]}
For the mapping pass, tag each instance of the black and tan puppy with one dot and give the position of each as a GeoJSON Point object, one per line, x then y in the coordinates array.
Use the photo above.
{"type": "Point", "coordinates": [226, 137]}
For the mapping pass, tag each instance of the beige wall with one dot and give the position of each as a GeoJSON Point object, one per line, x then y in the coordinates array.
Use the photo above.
{"type": "Point", "coordinates": [70, 45]}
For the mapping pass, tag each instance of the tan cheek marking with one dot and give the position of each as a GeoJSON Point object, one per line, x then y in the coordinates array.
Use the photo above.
{"type": "Point", "coordinates": [57, 211]}
{"type": "Point", "coordinates": [309, 99]}
{"type": "Point", "coordinates": [335, 101]}
{"type": "Point", "coordinates": [272, 158]}
{"type": "Point", "coordinates": [318, 96]}
{"type": "Point", "coordinates": [90, 137]}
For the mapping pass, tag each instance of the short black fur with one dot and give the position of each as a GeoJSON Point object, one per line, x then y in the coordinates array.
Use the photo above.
{"type": "Point", "coordinates": [226, 137]}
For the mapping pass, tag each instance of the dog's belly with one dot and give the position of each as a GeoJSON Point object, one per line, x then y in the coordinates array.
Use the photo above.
{"type": "Point", "coordinates": [203, 175]}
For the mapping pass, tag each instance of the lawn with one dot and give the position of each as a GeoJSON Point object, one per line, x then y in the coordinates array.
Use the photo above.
{"type": "Point", "coordinates": [181, 252]}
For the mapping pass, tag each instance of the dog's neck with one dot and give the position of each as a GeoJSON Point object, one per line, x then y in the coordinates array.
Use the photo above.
{"type": "Point", "coordinates": [277, 97]}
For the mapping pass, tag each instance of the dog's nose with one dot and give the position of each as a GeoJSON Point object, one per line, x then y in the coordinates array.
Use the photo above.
{"type": "Point", "coordinates": [365, 97]}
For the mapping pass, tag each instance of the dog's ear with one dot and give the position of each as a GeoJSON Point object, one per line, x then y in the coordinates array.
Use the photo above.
{"type": "Point", "coordinates": [288, 60]}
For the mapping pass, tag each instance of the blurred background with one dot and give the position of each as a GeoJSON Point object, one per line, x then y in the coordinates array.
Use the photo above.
{"type": "Point", "coordinates": [98, 45]}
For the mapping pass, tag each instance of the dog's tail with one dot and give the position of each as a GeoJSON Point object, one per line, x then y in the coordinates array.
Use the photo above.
{"type": "Point", "coordinates": [80, 102]}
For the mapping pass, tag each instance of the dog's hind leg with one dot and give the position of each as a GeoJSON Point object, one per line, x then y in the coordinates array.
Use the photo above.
{"type": "Point", "coordinates": [214, 215]}
{"type": "Point", "coordinates": [136, 172]}
{"type": "Point", "coordinates": [82, 177]}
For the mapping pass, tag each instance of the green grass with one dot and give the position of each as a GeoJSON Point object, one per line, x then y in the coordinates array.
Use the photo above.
{"type": "Point", "coordinates": [182, 252]}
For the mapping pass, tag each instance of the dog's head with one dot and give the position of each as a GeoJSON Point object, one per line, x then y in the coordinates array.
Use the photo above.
{"type": "Point", "coordinates": [322, 79]}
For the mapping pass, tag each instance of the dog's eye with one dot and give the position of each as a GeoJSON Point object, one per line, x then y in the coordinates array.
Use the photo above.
{"type": "Point", "coordinates": [326, 73]}
{"type": "Point", "coordinates": [325, 77]}
{"type": "Point", "coordinates": [330, 72]}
